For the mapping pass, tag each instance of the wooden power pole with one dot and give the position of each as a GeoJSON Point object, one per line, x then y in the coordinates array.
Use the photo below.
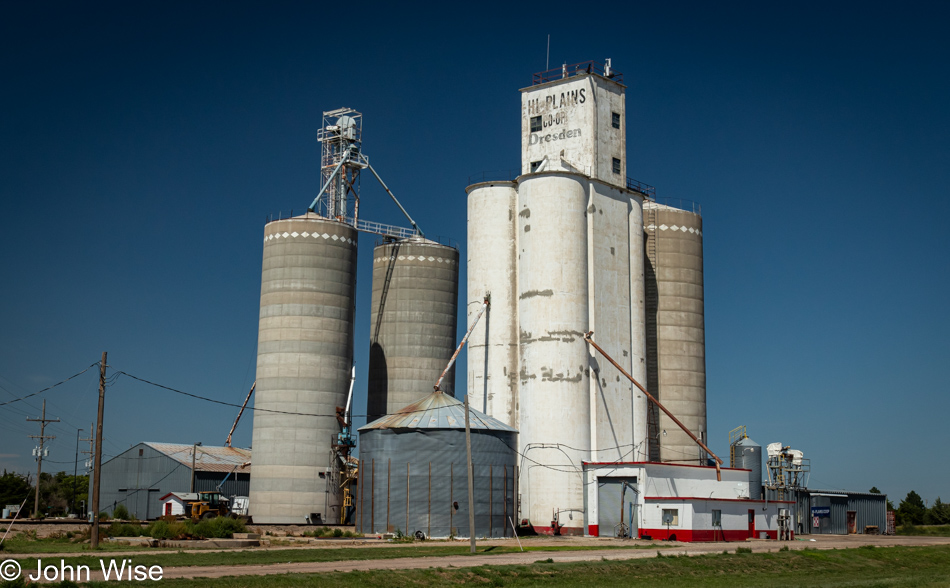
{"type": "Point", "coordinates": [471, 478]}
{"type": "Point", "coordinates": [97, 460]}
{"type": "Point", "coordinates": [39, 454]}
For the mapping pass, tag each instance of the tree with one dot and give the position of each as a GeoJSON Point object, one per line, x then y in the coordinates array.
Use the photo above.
{"type": "Point", "coordinates": [57, 490]}
{"type": "Point", "coordinates": [939, 513]}
{"type": "Point", "coordinates": [14, 488]}
{"type": "Point", "coordinates": [874, 490]}
{"type": "Point", "coordinates": [912, 510]}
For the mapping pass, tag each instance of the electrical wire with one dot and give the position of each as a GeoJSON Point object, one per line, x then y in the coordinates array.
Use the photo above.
{"type": "Point", "coordinates": [254, 408]}
{"type": "Point", "coordinates": [49, 387]}
{"type": "Point", "coordinates": [571, 470]}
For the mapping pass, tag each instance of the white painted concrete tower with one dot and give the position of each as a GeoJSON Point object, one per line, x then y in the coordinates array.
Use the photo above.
{"type": "Point", "coordinates": [560, 250]}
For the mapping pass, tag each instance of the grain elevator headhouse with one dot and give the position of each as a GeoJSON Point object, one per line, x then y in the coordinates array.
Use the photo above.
{"type": "Point", "coordinates": [574, 121]}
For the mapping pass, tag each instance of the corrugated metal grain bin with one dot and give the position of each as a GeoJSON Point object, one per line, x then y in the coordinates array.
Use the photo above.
{"type": "Point", "coordinates": [412, 472]}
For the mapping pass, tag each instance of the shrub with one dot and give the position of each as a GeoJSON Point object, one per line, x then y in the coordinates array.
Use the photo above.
{"type": "Point", "coordinates": [743, 550]}
{"type": "Point", "coordinates": [217, 528]}
{"type": "Point", "coordinates": [104, 516]}
{"type": "Point", "coordinates": [784, 548]}
{"type": "Point", "coordinates": [125, 530]}
{"type": "Point", "coordinates": [121, 512]}
{"type": "Point", "coordinates": [165, 529]}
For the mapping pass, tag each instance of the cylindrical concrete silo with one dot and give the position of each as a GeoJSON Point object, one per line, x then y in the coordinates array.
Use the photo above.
{"type": "Point", "coordinates": [413, 472]}
{"type": "Point", "coordinates": [750, 457]}
{"type": "Point", "coordinates": [615, 254]}
{"type": "Point", "coordinates": [412, 322]}
{"type": "Point", "coordinates": [553, 307]}
{"type": "Point", "coordinates": [493, 268]}
{"type": "Point", "coordinates": [676, 340]}
{"type": "Point", "coordinates": [304, 359]}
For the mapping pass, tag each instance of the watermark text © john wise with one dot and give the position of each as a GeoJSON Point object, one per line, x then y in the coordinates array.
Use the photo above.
{"type": "Point", "coordinates": [112, 570]}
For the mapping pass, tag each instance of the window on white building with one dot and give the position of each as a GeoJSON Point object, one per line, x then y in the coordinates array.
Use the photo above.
{"type": "Point", "coordinates": [671, 516]}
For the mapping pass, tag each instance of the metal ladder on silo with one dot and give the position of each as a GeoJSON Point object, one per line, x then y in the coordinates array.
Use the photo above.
{"type": "Point", "coordinates": [652, 293]}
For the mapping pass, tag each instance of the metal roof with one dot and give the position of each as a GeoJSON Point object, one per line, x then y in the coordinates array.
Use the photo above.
{"type": "Point", "coordinates": [209, 458]}
{"type": "Point", "coordinates": [437, 411]}
{"type": "Point", "coordinates": [840, 493]}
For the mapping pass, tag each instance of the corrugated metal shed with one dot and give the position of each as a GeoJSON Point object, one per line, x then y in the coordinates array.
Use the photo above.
{"type": "Point", "coordinates": [141, 475]}
{"type": "Point", "coordinates": [869, 510]}
{"type": "Point", "coordinates": [437, 411]}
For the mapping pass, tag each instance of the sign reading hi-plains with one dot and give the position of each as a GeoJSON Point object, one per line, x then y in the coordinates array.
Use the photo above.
{"type": "Point", "coordinates": [552, 113]}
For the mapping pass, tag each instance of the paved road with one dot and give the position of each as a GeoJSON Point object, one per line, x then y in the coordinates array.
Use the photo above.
{"type": "Point", "coordinates": [826, 542]}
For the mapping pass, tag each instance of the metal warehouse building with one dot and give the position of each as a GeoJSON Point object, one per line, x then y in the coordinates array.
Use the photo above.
{"type": "Point", "coordinates": [140, 476]}
{"type": "Point", "coordinates": [836, 512]}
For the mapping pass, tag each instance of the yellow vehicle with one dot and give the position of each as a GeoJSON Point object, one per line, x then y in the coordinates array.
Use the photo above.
{"type": "Point", "coordinates": [208, 506]}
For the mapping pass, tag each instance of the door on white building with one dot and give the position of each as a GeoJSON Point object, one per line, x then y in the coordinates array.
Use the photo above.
{"type": "Point", "coordinates": [617, 507]}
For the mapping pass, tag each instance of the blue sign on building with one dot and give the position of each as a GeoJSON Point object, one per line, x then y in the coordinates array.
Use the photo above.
{"type": "Point", "coordinates": [821, 511]}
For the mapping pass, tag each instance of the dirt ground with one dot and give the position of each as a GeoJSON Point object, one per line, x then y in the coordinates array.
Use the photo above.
{"type": "Point", "coordinates": [818, 542]}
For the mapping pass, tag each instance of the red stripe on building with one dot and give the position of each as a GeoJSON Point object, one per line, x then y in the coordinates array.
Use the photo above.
{"type": "Point", "coordinates": [702, 535]}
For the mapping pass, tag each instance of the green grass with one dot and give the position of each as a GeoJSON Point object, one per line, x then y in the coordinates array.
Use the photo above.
{"type": "Point", "coordinates": [259, 557]}
{"type": "Point", "coordinates": [925, 530]}
{"type": "Point", "coordinates": [898, 567]}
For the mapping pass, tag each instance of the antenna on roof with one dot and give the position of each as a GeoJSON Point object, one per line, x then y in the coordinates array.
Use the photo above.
{"type": "Point", "coordinates": [547, 61]}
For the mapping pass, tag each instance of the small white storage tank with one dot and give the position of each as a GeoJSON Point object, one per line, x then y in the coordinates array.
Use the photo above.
{"type": "Point", "coordinates": [749, 456]}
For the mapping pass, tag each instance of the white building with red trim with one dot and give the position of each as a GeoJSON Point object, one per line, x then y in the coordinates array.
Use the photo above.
{"type": "Point", "coordinates": [674, 501]}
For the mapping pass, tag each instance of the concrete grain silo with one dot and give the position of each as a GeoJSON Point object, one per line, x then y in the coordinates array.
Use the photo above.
{"type": "Point", "coordinates": [412, 322]}
{"type": "Point", "coordinates": [304, 360]}
{"type": "Point", "coordinates": [493, 345]}
{"type": "Point", "coordinates": [676, 339]}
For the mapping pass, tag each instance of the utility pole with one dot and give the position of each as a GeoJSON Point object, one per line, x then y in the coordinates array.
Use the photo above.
{"type": "Point", "coordinates": [88, 464]}
{"type": "Point", "coordinates": [471, 478]}
{"type": "Point", "coordinates": [72, 501]}
{"type": "Point", "coordinates": [39, 453]}
{"type": "Point", "coordinates": [194, 455]}
{"type": "Point", "coordinates": [97, 460]}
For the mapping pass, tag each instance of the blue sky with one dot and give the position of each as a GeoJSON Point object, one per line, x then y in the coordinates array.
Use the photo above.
{"type": "Point", "coordinates": [142, 145]}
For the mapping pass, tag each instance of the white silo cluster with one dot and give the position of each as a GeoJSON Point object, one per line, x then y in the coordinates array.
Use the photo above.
{"type": "Point", "coordinates": [561, 251]}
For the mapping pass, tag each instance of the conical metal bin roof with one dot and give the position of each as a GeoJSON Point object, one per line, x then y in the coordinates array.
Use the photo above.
{"type": "Point", "coordinates": [437, 411]}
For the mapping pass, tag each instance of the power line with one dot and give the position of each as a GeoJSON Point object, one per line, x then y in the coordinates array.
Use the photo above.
{"type": "Point", "coordinates": [223, 403]}
{"type": "Point", "coordinates": [49, 387]}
